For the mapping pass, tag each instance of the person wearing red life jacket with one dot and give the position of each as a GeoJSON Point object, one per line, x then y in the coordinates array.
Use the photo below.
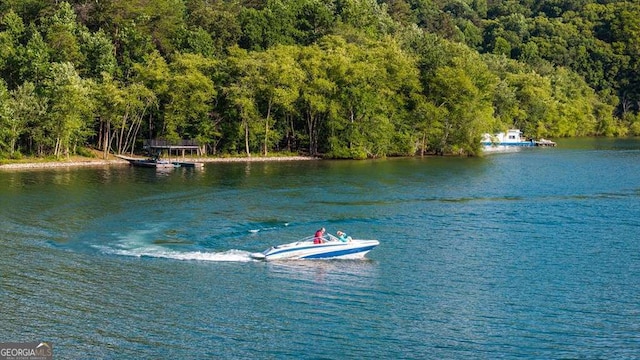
{"type": "Point", "coordinates": [319, 236]}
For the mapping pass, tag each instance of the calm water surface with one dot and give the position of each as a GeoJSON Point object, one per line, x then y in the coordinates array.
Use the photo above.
{"type": "Point", "coordinates": [533, 254]}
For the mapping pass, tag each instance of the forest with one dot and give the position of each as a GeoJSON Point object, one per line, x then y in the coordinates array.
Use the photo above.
{"type": "Point", "coordinates": [347, 79]}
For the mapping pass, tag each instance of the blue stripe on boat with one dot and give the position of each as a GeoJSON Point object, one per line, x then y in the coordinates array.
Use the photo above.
{"type": "Point", "coordinates": [339, 253]}
{"type": "Point", "coordinates": [300, 248]}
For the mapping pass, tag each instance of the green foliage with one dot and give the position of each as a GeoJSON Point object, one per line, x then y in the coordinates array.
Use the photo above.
{"type": "Point", "coordinates": [242, 93]}
{"type": "Point", "coordinates": [99, 53]}
{"type": "Point", "coordinates": [191, 95]}
{"type": "Point", "coordinates": [121, 109]}
{"type": "Point", "coordinates": [9, 46]}
{"type": "Point", "coordinates": [26, 107]}
{"type": "Point", "coordinates": [70, 109]}
{"type": "Point", "coordinates": [366, 15]}
{"type": "Point", "coordinates": [277, 83]}
{"type": "Point", "coordinates": [219, 19]}
{"type": "Point", "coordinates": [35, 59]}
{"type": "Point", "coordinates": [634, 127]}
{"type": "Point", "coordinates": [157, 22]}
{"type": "Point", "coordinates": [340, 78]}
{"type": "Point", "coordinates": [5, 115]}
{"type": "Point", "coordinates": [85, 152]}
{"type": "Point", "coordinates": [60, 33]}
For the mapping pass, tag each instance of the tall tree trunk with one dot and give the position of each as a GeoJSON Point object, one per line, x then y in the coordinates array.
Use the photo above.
{"type": "Point", "coordinates": [246, 137]}
{"type": "Point", "coordinates": [122, 126]}
{"type": "Point", "coordinates": [266, 127]}
{"type": "Point", "coordinates": [56, 150]}
{"type": "Point", "coordinates": [291, 134]}
{"type": "Point", "coordinates": [105, 141]}
{"type": "Point", "coordinates": [311, 125]}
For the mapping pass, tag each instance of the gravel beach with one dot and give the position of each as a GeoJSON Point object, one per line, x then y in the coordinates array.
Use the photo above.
{"type": "Point", "coordinates": [120, 162]}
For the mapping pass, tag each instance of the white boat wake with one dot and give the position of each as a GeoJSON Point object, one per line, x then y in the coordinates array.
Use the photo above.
{"type": "Point", "coordinates": [137, 244]}
{"type": "Point", "coordinates": [255, 231]}
{"type": "Point", "coordinates": [164, 253]}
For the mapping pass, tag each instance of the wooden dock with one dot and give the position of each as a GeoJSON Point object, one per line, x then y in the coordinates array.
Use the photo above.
{"type": "Point", "coordinates": [174, 150]}
{"type": "Point", "coordinates": [544, 143]}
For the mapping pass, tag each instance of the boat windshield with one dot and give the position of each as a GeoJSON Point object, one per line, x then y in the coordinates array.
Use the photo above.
{"type": "Point", "coordinates": [326, 237]}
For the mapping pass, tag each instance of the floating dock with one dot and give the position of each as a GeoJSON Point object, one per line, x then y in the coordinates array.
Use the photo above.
{"type": "Point", "coordinates": [188, 164]}
{"type": "Point", "coordinates": [545, 143]}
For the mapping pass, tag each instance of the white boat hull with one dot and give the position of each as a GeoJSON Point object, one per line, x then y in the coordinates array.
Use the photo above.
{"type": "Point", "coordinates": [510, 141]}
{"type": "Point", "coordinates": [354, 249]}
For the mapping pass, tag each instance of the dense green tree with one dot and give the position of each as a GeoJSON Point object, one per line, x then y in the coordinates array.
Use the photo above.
{"type": "Point", "coordinates": [29, 10]}
{"type": "Point", "coordinates": [267, 27]}
{"type": "Point", "coordinates": [462, 89]}
{"type": "Point", "coordinates": [426, 124]}
{"type": "Point", "coordinates": [109, 100]}
{"type": "Point", "coordinates": [25, 106]}
{"type": "Point", "coordinates": [357, 98]}
{"type": "Point", "coordinates": [99, 54]}
{"type": "Point", "coordinates": [499, 8]}
{"type": "Point", "coordinates": [160, 20]}
{"type": "Point", "coordinates": [219, 19]}
{"type": "Point", "coordinates": [314, 19]}
{"type": "Point", "coordinates": [10, 37]}
{"type": "Point", "coordinates": [368, 16]}
{"type": "Point", "coordinates": [575, 101]}
{"type": "Point", "coordinates": [374, 84]}
{"type": "Point", "coordinates": [241, 93]}
{"type": "Point", "coordinates": [317, 93]}
{"type": "Point", "coordinates": [191, 96]}
{"type": "Point", "coordinates": [70, 110]}
{"type": "Point", "coordinates": [401, 76]}
{"type": "Point", "coordinates": [606, 123]}
{"type": "Point", "coordinates": [620, 27]}
{"type": "Point", "coordinates": [5, 114]}
{"type": "Point", "coordinates": [462, 122]}
{"type": "Point", "coordinates": [340, 78]}
{"type": "Point", "coordinates": [197, 41]}
{"type": "Point", "coordinates": [534, 95]}
{"type": "Point", "coordinates": [400, 11]}
{"type": "Point", "coordinates": [154, 73]}
{"type": "Point", "coordinates": [634, 124]}
{"type": "Point", "coordinates": [121, 110]}
{"type": "Point", "coordinates": [60, 33]}
{"type": "Point", "coordinates": [278, 82]}
{"type": "Point", "coordinates": [35, 59]}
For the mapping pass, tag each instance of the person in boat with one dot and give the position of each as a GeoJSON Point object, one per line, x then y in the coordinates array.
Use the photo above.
{"type": "Point", "coordinates": [319, 236]}
{"type": "Point", "coordinates": [342, 236]}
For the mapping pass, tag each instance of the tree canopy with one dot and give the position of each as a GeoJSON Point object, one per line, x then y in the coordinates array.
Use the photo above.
{"type": "Point", "coordinates": [337, 78]}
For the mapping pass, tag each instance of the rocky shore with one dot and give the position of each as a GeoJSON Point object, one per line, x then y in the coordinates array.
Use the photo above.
{"type": "Point", "coordinates": [119, 162]}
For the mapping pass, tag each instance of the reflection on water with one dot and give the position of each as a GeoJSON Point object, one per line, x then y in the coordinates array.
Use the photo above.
{"type": "Point", "coordinates": [334, 272]}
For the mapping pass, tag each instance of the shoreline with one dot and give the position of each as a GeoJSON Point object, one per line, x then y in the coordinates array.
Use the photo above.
{"type": "Point", "coordinates": [88, 162]}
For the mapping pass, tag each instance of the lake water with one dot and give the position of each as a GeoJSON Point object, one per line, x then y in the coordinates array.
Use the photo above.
{"type": "Point", "coordinates": [533, 254]}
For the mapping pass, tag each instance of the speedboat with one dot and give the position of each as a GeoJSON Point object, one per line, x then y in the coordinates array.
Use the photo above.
{"type": "Point", "coordinates": [330, 248]}
{"type": "Point", "coordinates": [154, 162]}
